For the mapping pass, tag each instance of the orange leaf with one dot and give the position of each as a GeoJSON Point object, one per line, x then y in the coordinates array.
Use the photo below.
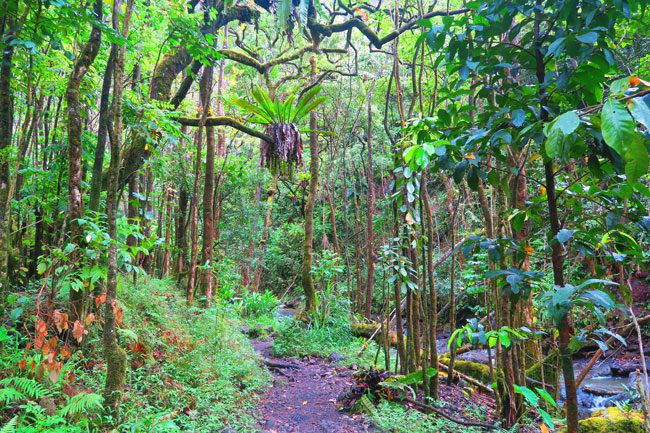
{"type": "Point", "coordinates": [41, 327]}
{"type": "Point", "coordinates": [90, 318]}
{"type": "Point", "coordinates": [528, 250]}
{"type": "Point", "coordinates": [38, 341]}
{"type": "Point", "coordinates": [22, 364]}
{"type": "Point", "coordinates": [65, 352]}
{"type": "Point", "coordinates": [50, 347]}
{"type": "Point", "coordinates": [118, 311]}
{"type": "Point", "coordinates": [470, 155]}
{"type": "Point", "coordinates": [78, 331]}
{"type": "Point", "coordinates": [60, 321]}
{"type": "Point", "coordinates": [100, 299]}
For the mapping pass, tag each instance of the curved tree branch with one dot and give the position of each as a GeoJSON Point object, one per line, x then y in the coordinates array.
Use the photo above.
{"type": "Point", "coordinates": [224, 121]}
{"type": "Point", "coordinates": [329, 29]}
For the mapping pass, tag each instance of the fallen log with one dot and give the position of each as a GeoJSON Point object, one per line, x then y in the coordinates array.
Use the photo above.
{"type": "Point", "coordinates": [280, 364]}
{"type": "Point", "coordinates": [468, 379]}
{"type": "Point", "coordinates": [426, 407]}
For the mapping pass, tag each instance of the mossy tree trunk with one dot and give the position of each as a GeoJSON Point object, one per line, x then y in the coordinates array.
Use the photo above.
{"type": "Point", "coordinates": [114, 355]}
{"type": "Point", "coordinates": [308, 246]}
{"type": "Point", "coordinates": [75, 166]}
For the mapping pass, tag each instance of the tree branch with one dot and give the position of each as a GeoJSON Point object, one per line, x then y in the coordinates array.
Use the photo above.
{"type": "Point", "coordinates": [378, 42]}
{"type": "Point", "coordinates": [224, 121]}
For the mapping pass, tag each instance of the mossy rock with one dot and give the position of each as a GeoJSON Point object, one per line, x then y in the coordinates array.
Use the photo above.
{"type": "Point", "coordinates": [612, 420]}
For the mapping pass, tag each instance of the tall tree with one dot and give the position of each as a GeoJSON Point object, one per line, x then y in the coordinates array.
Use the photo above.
{"type": "Point", "coordinates": [75, 163]}
{"type": "Point", "coordinates": [114, 355]}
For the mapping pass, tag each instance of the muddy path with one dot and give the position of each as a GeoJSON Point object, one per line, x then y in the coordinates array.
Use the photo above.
{"type": "Point", "coordinates": [303, 399]}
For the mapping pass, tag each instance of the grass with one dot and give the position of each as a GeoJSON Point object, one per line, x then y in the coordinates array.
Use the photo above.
{"type": "Point", "coordinates": [296, 339]}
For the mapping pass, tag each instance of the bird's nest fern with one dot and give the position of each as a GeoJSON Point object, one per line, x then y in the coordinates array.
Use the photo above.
{"type": "Point", "coordinates": [284, 151]}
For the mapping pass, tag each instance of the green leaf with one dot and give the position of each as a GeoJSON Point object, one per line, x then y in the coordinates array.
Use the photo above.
{"type": "Point", "coordinates": [620, 86]}
{"type": "Point", "coordinates": [283, 12]}
{"type": "Point", "coordinates": [531, 398]}
{"type": "Point", "coordinates": [567, 122]}
{"type": "Point", "coordinates": [518, 117]}
{"type": "Point", "coordinates": [588, 38]}
{"type": "Point", "coordinates": [548, 420]}
{"type": "Point", "coordinates": [617, 125]}
{"type": "Point", "coordinates": [636, 157]}
{"type": "Point", "coordinates": [640, 109]}
{"type": "Point", "coordinates": [564, 235]}
{"type": "Point", "coordinates": [546, 396]}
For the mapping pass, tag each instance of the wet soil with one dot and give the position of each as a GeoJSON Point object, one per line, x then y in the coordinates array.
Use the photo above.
{"type": "Point", "coordinates": [303, 399]}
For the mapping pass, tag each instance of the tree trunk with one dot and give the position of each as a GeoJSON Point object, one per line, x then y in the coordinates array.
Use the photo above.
{"type": "Point", "coordinates": [208, 188]}
{"type": "Point", "coordinates": [307, 278]}
{"type": "Point", "coordinates": [265, 235]}
{"type": "Point", "coordinates": [102, 134]}
{"type": "Point", "coordinates": [75, 169]}
{"type": "Point", "coordinates": [114, 355]}
{"type": "Point", "coordinates": [371, 258]}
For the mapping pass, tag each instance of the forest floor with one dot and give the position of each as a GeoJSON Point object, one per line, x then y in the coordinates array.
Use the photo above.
{"type": "Point", "coordinates": [303, 399]}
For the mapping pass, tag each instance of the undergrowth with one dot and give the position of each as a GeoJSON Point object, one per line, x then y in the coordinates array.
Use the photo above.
{"type": "Point", "coordinates": [298, 339]}
{"type": "Point", "coordinates": [395, 418]}
{"type": "Point", "coordinates": [190, 370]}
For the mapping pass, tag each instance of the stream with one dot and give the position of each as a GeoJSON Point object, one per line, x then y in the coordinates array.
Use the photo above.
{"type": "Point", "coordinates": [610, 381]}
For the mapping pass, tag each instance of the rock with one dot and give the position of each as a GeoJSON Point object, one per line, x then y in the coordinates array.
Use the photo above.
{"type": "Point", "coordinates": [335, 357]}
{"type": "Point", "coordinates": [245, 330]}
{"type": "Point", "coordinates": [480, 356]}
{"type": "Point", "coordinates": [48, 404]}
{"type": "Point", "coordinates": [612, 420]}
{"type": "Point", "coordinates": [625, 367]}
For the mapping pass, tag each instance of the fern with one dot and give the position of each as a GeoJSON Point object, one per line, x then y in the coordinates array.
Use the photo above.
{"type": "Point", "coordinates": [365, 405]}
{"type": "Point", "coordinates": [82, 403]}
{"type": "Point", "coordinates": [20, 388]}
{"type": "Point", "coordinates": [10, 427]}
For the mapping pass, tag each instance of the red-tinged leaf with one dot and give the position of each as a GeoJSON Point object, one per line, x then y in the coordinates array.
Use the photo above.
{"type": "Point", "coordinates": [90, 319]}
{"type": "Point", "coordinates": [54, 371]}
{"type": "Point", "coordinates": [22, 364]}
{"type": "Point", "coordinates": [41, 327]}
{"type": "Point", "coordinates": [39, 341]}
{"type": "Point", "coordinates": [118, 311]}
{"type": "Point", "coordinates": [100, 299]}
{"type": "Point", "coordinates": [60, 321]}
{"type": "Point", "coordinates": [50, 346]}
{"type": "Point", "coordinates": [65, 352]}
{"type": "Point", "coordinates": [78, 331]}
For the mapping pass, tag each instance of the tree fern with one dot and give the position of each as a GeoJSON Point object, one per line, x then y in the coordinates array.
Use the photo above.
{"type": "Point", "coordinates": [82, 403]}
{"type": "Point", "coordinates": [10, 427]}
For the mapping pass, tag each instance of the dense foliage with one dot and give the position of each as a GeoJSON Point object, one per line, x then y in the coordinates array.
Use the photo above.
{"type": "Point", "coordinates": [403, 177]}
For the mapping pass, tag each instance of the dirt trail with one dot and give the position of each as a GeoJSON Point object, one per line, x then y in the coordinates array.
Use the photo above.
{"type": "Point", "coordinates": [303, 399]}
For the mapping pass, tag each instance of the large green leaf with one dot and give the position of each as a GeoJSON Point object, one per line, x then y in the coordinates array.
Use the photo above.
{"type": "Point", "coordinates": [640, 109]}
{"type": "Point", "coordinates": [636, 158]}
{"type": "Point", "coordinates": [567, 122]}
{"type": "Point", "coordinates": [617, 125]}
{"type": "Point", "coordinates": [283, 12]}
